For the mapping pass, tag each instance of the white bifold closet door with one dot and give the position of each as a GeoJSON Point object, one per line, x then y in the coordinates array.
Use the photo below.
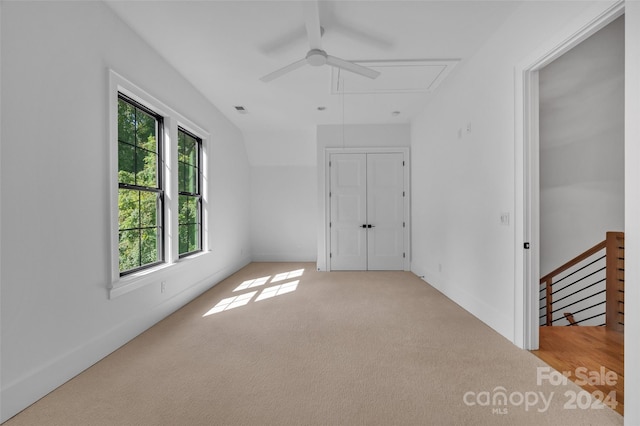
{"type": "Point", "coordinates": [367, 211]}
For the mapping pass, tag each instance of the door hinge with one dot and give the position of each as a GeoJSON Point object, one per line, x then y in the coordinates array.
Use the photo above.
{"type": "Point", "coordinates": [329, 163]}
{"type": "Point", "coordinates": [329, 224]}
{"type": "Point", "coordinates": [403, 193]}
{"type": "Point", "coordinates": [403, 163]}
{"type": "Point", "coordinates": [403, 224]}
{"type": "Point", "coordinates": [527, 246]}
{"type": "Point", "coordinates": [329, 194]}
{"type": "Point", "coordinates": [404, 255]}
{"type": "Point", "coordinates": [330, 255]}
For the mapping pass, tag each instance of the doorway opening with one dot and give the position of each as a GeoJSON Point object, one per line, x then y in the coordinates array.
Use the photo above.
{"type": "Point", "coordinates": [573, 181]}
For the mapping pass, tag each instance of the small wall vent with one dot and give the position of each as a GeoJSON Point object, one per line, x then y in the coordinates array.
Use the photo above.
{"type": "Point", "coordinates": [240, 109]}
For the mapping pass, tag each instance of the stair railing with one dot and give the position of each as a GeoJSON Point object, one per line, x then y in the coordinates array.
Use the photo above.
{"type": "Point", "coordinates": [594, 278]}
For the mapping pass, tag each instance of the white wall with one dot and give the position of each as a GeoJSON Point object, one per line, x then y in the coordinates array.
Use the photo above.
{"type": "Point", "coordinates": [283, 195]}
{"type": "Point", "coordinates": [56, 318]}
{"type": "Point", "coordinates": [462, 182]}
{"type": "Point", "coordinates": [632, 212]}
{"type": "Point", "coordinates": [350, 136]}
{"type": "Point", "coordinates": [283, 213]}
{"type": "Point", "coordinates": [582, 147]}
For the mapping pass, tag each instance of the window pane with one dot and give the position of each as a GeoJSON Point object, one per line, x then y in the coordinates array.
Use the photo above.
{"type": "Point", "coordinates": [190, 179]}
{"type": "Point", "coordinates": [129, 248]}
{"type": "Point", "coordinates": [149, 246]}
{"type": "Point", "coordinates": [183, 239]}
{"type": "Point", "coordinates": [181, 178]}
{"type": "Point", "coordinates": [188, 228]}
{"type": "Point", "coordinates": [126, 163]}
{"type": "Point", "coordinates": [190, 150]}
{"type": "Point", "coordinates": [181, 136]}
{"type": "Point", "coordinates": [183, 209]}
{"type": "Point", "coordinates": [128, 209]}
{"type": "Point", "coordinates": [146, 131]}
{"type": "Point", "coordinates": [187, 149]}
{"type": "Point", "coordinates": [146, 168]}
{"type": "Point", "coordinates": [194, 243]}
{"type": "Point", "coordinates": [189, 238]}
{"type": "Point", "coordinates": [126, 122]}
{"type": "Point", "coordinates": [148, 209]}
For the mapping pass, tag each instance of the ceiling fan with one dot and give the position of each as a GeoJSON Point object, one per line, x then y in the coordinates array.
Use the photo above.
{"type": "Point", "coordinates": [316, 56]}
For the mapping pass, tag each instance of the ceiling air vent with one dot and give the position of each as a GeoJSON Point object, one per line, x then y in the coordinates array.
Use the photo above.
{"type": "Point", "coordinates": [240, 109]}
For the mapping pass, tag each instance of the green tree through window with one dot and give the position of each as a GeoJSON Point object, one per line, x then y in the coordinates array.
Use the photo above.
{"type": "Point", "coordinates": [189, 193]}
{"type": "Point", "coordinates": [140, 191]}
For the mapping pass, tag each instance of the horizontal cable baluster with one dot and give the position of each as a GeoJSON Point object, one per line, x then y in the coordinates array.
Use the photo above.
{"type": "Point", "coordinates": [577, 281]}
{"type": "Point", "coordinates": [578, 270]}
{"type": "Point", "coordinates": [582, 289]}
{"type": "Point", "coordinates": [578, 301]}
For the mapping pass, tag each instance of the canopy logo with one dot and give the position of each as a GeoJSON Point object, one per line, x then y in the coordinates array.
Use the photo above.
{"type": "Point", "coordinates": [499, 400]}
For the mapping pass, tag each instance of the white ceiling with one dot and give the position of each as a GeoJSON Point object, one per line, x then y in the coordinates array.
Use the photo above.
{"type": "Point", "coordinates": [224, 47]}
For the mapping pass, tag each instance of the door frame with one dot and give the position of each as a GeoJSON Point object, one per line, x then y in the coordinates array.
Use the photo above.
{"type": "Point", "coordinates": [527, 167]}
{"type": "Point", "coordinates": [324, 263]}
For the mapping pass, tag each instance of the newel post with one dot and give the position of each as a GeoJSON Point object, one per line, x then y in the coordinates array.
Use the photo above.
{"type": "Point", "coordinates": [548, 299]}
{"type": "Point", "coordinates": [615, 281]}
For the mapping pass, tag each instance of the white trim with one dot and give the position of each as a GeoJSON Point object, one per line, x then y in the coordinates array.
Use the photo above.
{"type": "Point", "coordinates": [527, 269]}
{"type": "Point", "coordinates": [325, 179]}
{"type": "Point", "coordinates": [172, 119]}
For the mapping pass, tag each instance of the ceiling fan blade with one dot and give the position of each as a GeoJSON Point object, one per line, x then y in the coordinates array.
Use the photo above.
{"type": "Point", "coordinates": [282, 71]}
{"type": "Point", "coordinates": [292, 39]}
{"type": "Point", "coordinates": [353, 67]}
{"type": "Point", "coordinates": [312, 24]}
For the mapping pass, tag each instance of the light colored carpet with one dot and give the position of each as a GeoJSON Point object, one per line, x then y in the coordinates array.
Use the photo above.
{"type": "Point", "coordinates": [339, 348]}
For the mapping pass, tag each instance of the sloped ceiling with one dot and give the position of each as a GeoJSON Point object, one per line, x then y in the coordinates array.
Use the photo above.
{"type": "Point", "coordinates": [224, 47]}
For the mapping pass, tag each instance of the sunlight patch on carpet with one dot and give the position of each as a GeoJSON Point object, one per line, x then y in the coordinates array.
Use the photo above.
{"type": "Point", "coordinates": [231, 303]}
{"type": "Point", "coordinates": [287, 275]}
{"type": "Point", "coordinates": [277, 290]}
{"type": "Point", "coordinates": [267, 293]}
{"type": "Point", "coordinates": [256, 282]}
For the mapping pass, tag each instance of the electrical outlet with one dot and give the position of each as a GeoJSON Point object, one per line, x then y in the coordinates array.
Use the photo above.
{"type": "Point", "coordinates": [163, 286]}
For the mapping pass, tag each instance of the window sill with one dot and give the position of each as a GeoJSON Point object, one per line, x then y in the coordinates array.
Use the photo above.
{"type": "Point", "coordinates": [136, 280]}
{"type": "Point", "coordinates": [129, 283]}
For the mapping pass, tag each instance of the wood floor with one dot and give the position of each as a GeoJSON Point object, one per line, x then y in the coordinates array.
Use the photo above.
{"type": "Point", "coordinates": [597, 351]}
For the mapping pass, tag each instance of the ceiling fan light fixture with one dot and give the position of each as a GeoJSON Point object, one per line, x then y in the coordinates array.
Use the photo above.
{"type": "Point", "coordinates": [317, 57]}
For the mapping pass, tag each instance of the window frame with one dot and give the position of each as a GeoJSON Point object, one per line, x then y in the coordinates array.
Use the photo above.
{"type": "Point", "coordinates": [159, 190]}
{"type": "Point", "coordinates": [197, 194]}
{"type": "Point", "coordinates": [120, 285]}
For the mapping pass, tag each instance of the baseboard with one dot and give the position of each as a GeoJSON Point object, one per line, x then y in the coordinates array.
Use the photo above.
{"type": "Point", "coordinates": [492, 317]}
{"type": "Point", "coordinates": [285, 257]}
{"type": "Point", "coordinates": [18, 395]}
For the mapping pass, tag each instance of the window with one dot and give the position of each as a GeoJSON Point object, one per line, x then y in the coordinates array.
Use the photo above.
{"type": "Point", "coordinates": [140, 187]}
{"type": "Point", "coordinates": [158, 188]}
{"type": "Point", "coordinates": [189, 193]}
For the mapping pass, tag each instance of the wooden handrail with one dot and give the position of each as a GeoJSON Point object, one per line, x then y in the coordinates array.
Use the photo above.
{"type": "Point", "coordinates": [614, 265]}
{"type": "Point", "coordinates": [579, 258]}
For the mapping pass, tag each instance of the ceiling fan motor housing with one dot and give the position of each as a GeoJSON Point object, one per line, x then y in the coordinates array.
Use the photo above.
{"type": "Point", "coordinates": [317, 57]}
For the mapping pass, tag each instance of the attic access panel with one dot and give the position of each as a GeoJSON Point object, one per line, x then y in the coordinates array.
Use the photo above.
{"type": "Point", "coordinates": [395, 77]}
